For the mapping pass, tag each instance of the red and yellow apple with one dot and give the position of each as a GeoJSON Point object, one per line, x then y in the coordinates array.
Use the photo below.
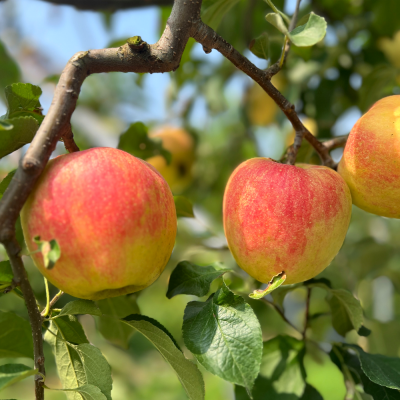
{"type": "Point", "coordinates": [113, 216]}
{"type": "Point", "coordinates": [371, 159]}
{"type": "Point", "coordinates": [180, 144]}
{"type": "Point", "coordinates": [280, 217]}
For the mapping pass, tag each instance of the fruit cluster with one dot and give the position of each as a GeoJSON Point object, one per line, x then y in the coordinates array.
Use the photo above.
{"type": "Point", "coordinates": [114, 218]}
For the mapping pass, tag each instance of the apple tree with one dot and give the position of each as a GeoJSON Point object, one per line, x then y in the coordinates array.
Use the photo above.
{"type": "Point", "coordinates": [277, 309]}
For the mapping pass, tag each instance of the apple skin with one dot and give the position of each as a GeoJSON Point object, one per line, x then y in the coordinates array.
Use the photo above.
{"type": "Point", "coordinates": [280, 217]}
{"type": "Point", "coordinates": [113, 216]}
{"type": "Point", "coordinates": [371, 159]}
{"type": "Point", "coordinates": [180, 144]}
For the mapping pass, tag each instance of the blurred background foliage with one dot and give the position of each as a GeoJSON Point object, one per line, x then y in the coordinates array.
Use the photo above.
{"type": "Point", "coordinates": [220, 118]}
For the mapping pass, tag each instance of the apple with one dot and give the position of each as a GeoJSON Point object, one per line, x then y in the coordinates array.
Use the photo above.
{"type": "Point", "coordinates": [371, 159]}
{"type": "Point", "coordinates": [113, 216]}
{"type": "Point", "coordinates": [180, 144]}
{"type": "Point", "coordinates": [261, 109]}
{"type": "Point", "coordinates": [280, 217]}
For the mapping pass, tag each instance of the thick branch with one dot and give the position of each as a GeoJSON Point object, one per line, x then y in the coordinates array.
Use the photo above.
{"type": "Point", "coordinates": [110, 5]}
{"type": "Point", "coordinates": [211, 40]}
{"type": "Point", "coordinates": [35, 319]}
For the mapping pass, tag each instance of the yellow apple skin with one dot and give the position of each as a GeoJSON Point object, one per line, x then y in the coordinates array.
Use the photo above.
{"type": "Point", "coordinates": [309, 123]}
{"type": "Point", "coordinates": [261, 109]}
{"type": "Point", "coordinates": [113, 216]}
{"type": "Point", "coordinates": [371, 159]}
{"type": "Point", "coordinates": [279, 217]}
{"type": "Point", "coordinates": [180, 144]}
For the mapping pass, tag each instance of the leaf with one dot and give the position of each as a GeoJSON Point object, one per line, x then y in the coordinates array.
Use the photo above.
{"type": "Point", "coordinates": [6, 274]}
{"type": "Point", "coordinates": [5, 126]}
{"type": "Point", "coordinates": [109, 325]}
{"type": "Point", "coordinates": [380, 369]}
{"type": "Point", "coordinates": [346, 311]}
{"type": "Point", "coordinates": [23, 131]}
{"type": "Point", "coordinates": [214, 11]}
{"type": "Point", "coordinates": [276, 20]}
{"type": "Point", "coordinates": [13, 373]}
{"type": "Point", "coordinates": [184, 207]}
{"type": "Point", "coordinates": [88, 392]}
{"type": "Point", "coordinates": [137, 142]}
{"type": "Point", "coordinates": [281, 376]}
{"type": "Point", "coordinates": [23, 100]}
{"type": "Point", "coordinates": [310, 33]}
{"type": "Point", "coordinates": [310, 393]}
{"type": "Point", "coordinates": [189, 278]}
{"type": "Point", "coordinates": [260, 46]}
{"type": "Point", "coordinates": [78, 364]}
{"type": "Point", "coordinates": [9, 71]}
{"type": "Point", "coordinates": [79, 307]}
{"type": "Point", "coordinates": [50, 250]}
{"type": "Point", "coordinates": [274, 283]}
{"type": "Point", "coordinates": [5, 182]}
{"type": "Point", "coordinates": [16, 336]}
{"type": "Point", "coordinates": [363, 331]}
{"type": "Point", "coordinates": [280, 294]}
{"type": "Point", "coordinates": [225, 336]}
{"type": "Point", "coordinates": [188, 373]}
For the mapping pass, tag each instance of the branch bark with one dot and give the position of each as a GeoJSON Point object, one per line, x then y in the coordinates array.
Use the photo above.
{"type": "Point", "coordinates": [35, 319]}
{"type": "Point", "coordinates": [211, 40]}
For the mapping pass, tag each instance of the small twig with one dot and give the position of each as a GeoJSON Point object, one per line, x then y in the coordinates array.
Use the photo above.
{"type": "Point", "coordinates": [281, 313]}
{"type": "Point", "coordinates": [335, 143]}
{"type": "Point", "coordinates": [50, 304]}
{"type": "Point", "coordinates": [306, 317]}
{"type": "Point", "coordinates": [35, 319]}
{"type": "Point", "coordinates": [68, 139]}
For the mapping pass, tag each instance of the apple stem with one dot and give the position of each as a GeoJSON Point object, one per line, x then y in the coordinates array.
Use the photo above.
{"type": "Point", "coordinates": [68, 139]}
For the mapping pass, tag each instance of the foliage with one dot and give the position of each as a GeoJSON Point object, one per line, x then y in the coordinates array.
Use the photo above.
{"type": "Point", "coordinates": [343, 57]}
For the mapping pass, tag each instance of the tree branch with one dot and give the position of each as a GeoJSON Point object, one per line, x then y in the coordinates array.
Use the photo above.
{"type": "Point", "coordinates": [68, 138]}
{"type": "Point", "coordinates": [336, 142]}
{"type": "Point", "coordinates": [110, 5]}
{"type": "Point", "coordinates": [35, 319]}
{"type": "Point", "coordinates": [211, 40]}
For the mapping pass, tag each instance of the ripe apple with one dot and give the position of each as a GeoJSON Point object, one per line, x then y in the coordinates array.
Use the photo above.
{"type": "Point", "coordinates": [180, 144]}
{"type": "Point", "coordinates": [113, 216]}
{"type": "Point", "coordinates": [260, 107]}
{"type": "Point", "coordinates": [371, 159]}
{"type": "Point", "coordinates": [280, 217]}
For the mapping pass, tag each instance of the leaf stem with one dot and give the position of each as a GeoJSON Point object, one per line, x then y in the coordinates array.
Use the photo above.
{"type": "Point", "coordinates": [281, 313]}
{"type": "Point", "coordinates": [45, 312]}
{"type": "Point", "coordinates": [53, 301]}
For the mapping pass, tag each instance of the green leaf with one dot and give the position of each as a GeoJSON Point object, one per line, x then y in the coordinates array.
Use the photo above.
{"type": "Point", "coordinates": [50, 250]}
{"type": "Point", "coordinates": [23, 131]}
{"type": "Point", "coordinates": [23, 100]}
{"type": "Point", "coordinates": [88, 392]}
{"type": "Point", "coordinates": [188, 373]}
{"type": "Point", "coordinates": [13, 373]}
{"type": "Point", "coordinates": [6, 274]}
{"type": "Point", "coordinates": [281, 375]}
{"type": "Point", "coordinates": [16, 336]}
{"type": "Point", "coordinates": [380, 369]}
{"type": "Point", "coordinates": [9, 71]}
{"type": "Point", "coordinates": [79, 307]}
{"type": "Point", "coordinates": [310, 393]}
{"type": "Point", "coordinates": [363, 331]}
{"type": "Point", "coordinates": [109, 325]}
{"type": "Point", "coordinates": [189, 278]}
{"type": "Point", "coordinates": [225, 336]}
{"type": "Point", "coordinates": [260, 46]}
{"type": "Point", "coordinates": [346, 311]}
{"type": "Point", "coordinates": [5, 126]}
{"type": "Point", "coordinates": [277, 21]}
{"type": "Point", "coordinates": [5, 182]}
{"type": "Point", "coordinates": [275, 282]}
{"type": "Point", "coordinates": [214, 11]}
{"type": "Point", "coordinates": [184, 207]}
{"type": "Point", "coordinates": [310, 33]}
{"type": "Point", "coordinates": [379, 392]}
{"type": "Point", "coordinates": [77, 364]}
{"type": "Point", "coordinates": [137, 142]}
